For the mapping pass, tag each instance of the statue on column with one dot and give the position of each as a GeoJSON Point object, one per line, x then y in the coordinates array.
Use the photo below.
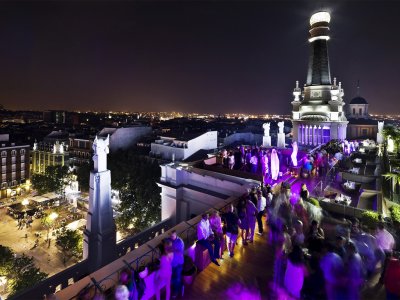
{"type": "Point", "coordinates": [281, 125]}
{"type": "Point", "coordinates": [100, 149]}
{"type": "Point", "coordinates": [379, 135]}
{"type": "Point", "coordinates": [281, 135]}
{"type": "Point", "coordinates": [266, 137]}
{"type": "Point", "coordinates": [266, 127]}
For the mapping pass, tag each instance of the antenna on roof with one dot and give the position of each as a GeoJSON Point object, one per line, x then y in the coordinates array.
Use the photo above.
{"type": "Point", "coordinates": [358, 88]}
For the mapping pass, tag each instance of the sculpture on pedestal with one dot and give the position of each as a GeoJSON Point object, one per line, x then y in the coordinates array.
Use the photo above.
{"type": "Point", "coordinates": [266, 127]}
{"type": "Point", "coordinates": [281, 135]}
{"type": "Point", "coordinates": [266, 137]}
{"type": "Point", "coordinates": [100, 234]}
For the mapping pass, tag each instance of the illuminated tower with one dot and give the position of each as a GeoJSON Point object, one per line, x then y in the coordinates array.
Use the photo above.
{"type": "Point", "coordinates": [318, 115]}
{"type": "Point", "coordinates": [100, 233]}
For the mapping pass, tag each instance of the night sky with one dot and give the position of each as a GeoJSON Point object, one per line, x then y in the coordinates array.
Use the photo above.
{"type": "Point", "coordinates": [214, 57]}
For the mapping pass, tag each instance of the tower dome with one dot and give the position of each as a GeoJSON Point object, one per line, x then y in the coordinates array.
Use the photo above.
{"type": "Point", "coordinates": [358, 100]}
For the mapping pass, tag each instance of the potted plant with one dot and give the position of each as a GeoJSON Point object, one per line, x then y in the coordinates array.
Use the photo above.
{"type": "Point", "coordinates": [189, 270]}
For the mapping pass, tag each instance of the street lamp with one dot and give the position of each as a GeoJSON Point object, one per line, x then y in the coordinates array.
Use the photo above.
{"type": "Point", "coordinates": [25, 202]}
{"type": "Point", "coordinates": [50, 219]}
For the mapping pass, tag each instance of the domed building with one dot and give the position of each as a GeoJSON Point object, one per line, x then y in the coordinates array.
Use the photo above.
{"type": "Point", "coordinates": [361, 125]}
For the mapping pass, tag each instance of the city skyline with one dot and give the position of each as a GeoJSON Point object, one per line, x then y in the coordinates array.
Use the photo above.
{"type": "Point", "coordinates": [224, 57]}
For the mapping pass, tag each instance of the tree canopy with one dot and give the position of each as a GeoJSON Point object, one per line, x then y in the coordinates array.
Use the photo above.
{"type": "Point", "coordinates": [135, 176]}
{"type": "Point", "coordinates": [20, 271]}
{"type": "Point", "coordinates": [53, 179]}
{"type": "Point", "coordinates": [71, 242]}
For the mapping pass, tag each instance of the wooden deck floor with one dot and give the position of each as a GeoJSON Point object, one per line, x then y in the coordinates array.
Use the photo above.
{"type": "Point", "coordinates": [248, 275]}
{"type": "Point", "coordinates": [249, 271]}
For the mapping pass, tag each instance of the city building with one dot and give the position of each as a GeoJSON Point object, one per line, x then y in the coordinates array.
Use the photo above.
{"type": "Point", "coordinates": [14, 167]}
{"type": "Point", "coordinates": [180, 147]}
{"type": "Point", "coordinates": [124, 137]}
{"type": "Point", "coordinates": [48, 154]}
{"type": "Point", "coordinates": [80, 150]}
{"type": "Point", "coordinates": [57, 136]}
{"type": "Point", "coordinates": [54, 116]}
{"type": "Point", "coordinates": [361, 125]}
{"type": "Point", "coordinates": [318, 116]}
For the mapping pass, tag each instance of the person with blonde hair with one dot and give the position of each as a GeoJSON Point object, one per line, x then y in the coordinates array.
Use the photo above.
{"type": "Point", "coordinates": [121, 292]}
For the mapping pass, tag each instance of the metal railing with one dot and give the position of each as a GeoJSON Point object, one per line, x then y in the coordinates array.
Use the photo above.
{"type": "Point", "coordinates": [78, 271]}
{"type": "Point", "coordinates": [103, 285]}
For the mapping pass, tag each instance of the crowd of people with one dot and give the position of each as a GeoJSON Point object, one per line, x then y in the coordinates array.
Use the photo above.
{"type": "Point", "coordinates": [310, 264]}
{"type": "Point", "coordinates": [270, 163]}
{"type": "Point", "coordinates": [168, 273]}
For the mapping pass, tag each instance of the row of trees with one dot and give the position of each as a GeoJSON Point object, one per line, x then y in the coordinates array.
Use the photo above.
{"type": "Point", "coordinates": [20, 271]}
{"type": "Point", "coordinates": [54, 179]}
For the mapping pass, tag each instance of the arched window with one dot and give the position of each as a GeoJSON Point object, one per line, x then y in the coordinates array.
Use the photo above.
{"type": "Point", "coordinates": [13, 153]}
{"type": "Point", "coordinates": [3, 153]}
{"type": "Point", "coordinates": [360, 111]}
{"type": "Point", "coordinates": [354, 111]}
{"type": "Point", "coordinates": [22, 152]}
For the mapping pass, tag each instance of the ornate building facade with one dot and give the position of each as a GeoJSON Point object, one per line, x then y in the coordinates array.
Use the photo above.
{"type": "Point", "coordinates": [48, 154]}
{"type": "Point", "coordinates": [318, 114]}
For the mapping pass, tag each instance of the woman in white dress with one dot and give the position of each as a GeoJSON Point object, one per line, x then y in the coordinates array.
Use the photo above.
{"type": "Point", "coordinates": [274, 165]}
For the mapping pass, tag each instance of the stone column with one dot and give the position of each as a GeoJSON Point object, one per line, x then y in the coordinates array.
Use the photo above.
{"type": "Point", "coordinates": [100, 233]}
{"type": "Point", "coordinates": [306, 135]}
{"type": "Point", "coordinates": [315, 136]}
{"type": "Point", "coordinates": [319, 135]}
